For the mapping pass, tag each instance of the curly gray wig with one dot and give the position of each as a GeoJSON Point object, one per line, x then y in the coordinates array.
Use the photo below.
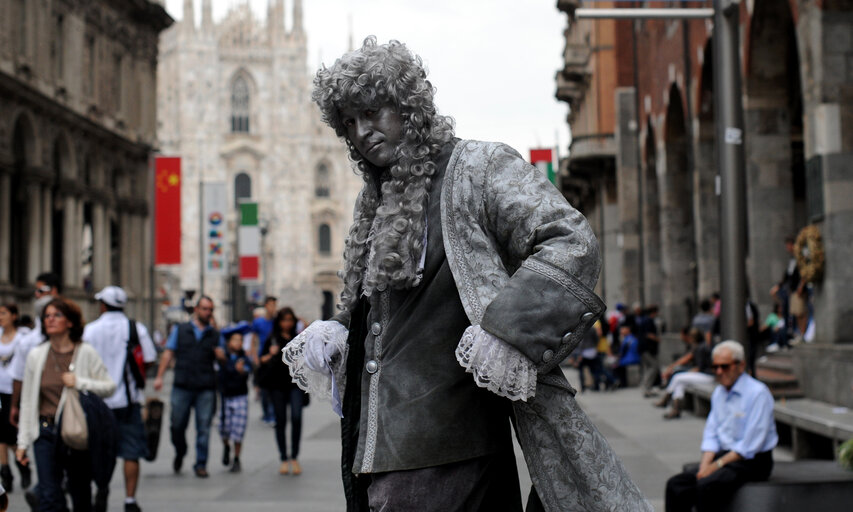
{"type": "Point", "coordinates": [386, 238]}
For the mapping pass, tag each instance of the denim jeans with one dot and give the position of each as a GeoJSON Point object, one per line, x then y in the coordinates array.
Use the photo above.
{"type": "Point", "coordinates": [204, 402]}
{"type": "Point", "coordinates": [280, 400]}
{"type": "Point", "coordinates": [51, 461]}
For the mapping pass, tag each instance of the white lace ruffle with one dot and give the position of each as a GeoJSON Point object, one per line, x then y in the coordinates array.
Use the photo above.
{"type": "Point", "coordinates": [316, 358]}
{"type": "Point", "coordinates": [496, 365]}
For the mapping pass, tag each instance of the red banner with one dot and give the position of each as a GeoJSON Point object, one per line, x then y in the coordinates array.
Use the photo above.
{"type": "Point", "coordinates": [167, 211]}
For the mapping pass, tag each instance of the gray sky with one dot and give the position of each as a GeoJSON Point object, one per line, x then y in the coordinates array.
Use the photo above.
{"type": "Point", "coordinates": [492, 61]}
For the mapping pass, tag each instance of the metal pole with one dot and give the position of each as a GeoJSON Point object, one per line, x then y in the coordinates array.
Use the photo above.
{"type": "Point", "coordinates": [730, 157]}
{"type": "Point", "coordinates": [644, 13]}
{"type": "Point", "coordinates": [200, 235]}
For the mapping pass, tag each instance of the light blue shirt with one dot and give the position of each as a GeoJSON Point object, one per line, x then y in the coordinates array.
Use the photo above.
{"type": "Point", "coordinates": [741, 420]}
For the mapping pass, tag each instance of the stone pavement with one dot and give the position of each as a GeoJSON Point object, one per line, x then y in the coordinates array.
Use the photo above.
{"type": "Point", "coordinates": [651, 448]}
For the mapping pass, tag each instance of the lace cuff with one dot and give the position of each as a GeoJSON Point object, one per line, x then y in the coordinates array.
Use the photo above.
{"type": "Point", "coordinates": [316, 359]}
{"type": "Point", "coordinates": [496, 365]}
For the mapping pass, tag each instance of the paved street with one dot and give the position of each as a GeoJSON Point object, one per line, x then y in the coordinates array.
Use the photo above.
{"type": "Point", "coordinates": [651, 448]}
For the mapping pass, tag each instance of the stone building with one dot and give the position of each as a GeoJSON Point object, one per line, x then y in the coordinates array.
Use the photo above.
{"type": "Point", "coordinates": [648, 157]}
{"type": "Point", "coordinates": [234, 102]}
{"type": "Point", "coordinates": [77, 128]}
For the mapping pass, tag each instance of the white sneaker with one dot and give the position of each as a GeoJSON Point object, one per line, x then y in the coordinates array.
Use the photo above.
{"type": "Point", "coordinates": [772, 348]}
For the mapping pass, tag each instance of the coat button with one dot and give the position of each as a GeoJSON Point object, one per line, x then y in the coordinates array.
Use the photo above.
{"type": "Point", "coordinates": [372, 366]}
{"type": "Point", "coordinates": [587, 317]}
{"type": "Point", "coordinates": [547, 355]}
{"type": "Point", "coordinates": [376, 328]}
{"type": "Point", "coordinates": [567, 337]}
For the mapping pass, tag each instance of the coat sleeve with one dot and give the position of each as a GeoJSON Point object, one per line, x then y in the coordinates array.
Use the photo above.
{"type": "Point", "coordinates": [548, 303]}
{"type": "Point", "coordinates": [94, 376]}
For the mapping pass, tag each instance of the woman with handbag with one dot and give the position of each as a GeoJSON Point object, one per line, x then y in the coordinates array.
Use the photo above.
{"type": "Point", "coordinates": [274, 376]}
{"type": "Point", "coordinates": [55, 372]}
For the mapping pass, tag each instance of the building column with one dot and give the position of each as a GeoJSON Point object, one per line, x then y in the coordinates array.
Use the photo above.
{"type": "Point", "coordinates": [47, 230]}
{"type": "Point", "coordinates": [71, 236]}
{"type": "Point", "coordinates": [628, 183]}
{"type": "Point", "coordinates": [34, 237]}
{"type": "Point", "coordinates": [5, 220]}
{"type": "Point", "coordinates": [100, 251]}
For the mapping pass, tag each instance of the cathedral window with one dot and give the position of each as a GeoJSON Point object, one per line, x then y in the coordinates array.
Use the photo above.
{"type": "Point", "coordinates": [324, 241]}
{"type": "Point", "coordinates": [240, 106]}
{"type": "Point", "coordinates": [242, 188]}
{"type": "Point", "coordinates": [322, 181]}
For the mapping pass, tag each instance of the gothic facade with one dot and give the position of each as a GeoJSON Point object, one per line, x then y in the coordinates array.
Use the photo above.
{"type": "Point", "coordinates": [234, 103]}
{"type": "Point", "coordinates": [77, 128]}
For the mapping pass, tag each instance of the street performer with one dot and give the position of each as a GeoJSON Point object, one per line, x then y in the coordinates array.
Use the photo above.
{"type": "Point", "coordinates": [467, 279]}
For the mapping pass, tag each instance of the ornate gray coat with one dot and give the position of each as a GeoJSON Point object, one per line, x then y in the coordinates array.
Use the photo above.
{"type": "Point", "coordinates": [524, 262]}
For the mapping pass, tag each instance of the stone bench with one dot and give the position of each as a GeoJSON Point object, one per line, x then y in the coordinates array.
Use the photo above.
{"type": "Point", "coordinates": [812, 428]}
{"type": "Point", "coordinates": [697, 398]}
{"type": "Point", "coordinates": [795, 486]}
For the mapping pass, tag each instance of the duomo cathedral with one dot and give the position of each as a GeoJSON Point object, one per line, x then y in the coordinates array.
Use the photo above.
{"type": "Point", "coordinates": [234, 102]}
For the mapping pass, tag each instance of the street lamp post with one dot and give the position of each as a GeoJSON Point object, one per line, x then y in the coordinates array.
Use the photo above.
{"type": "Point", "coordinates": [730, 159]}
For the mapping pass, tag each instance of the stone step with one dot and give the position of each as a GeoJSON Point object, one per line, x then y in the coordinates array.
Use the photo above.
{"type": "Point", "coordinates": [773, 362]}
{"type": "Point", "coordinates": [787, 393]}
{"type": "Point", "coordinates": [775, 378]}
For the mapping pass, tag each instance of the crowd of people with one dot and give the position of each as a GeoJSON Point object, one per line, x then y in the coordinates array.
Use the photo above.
{"type": "Point", "coordinates": [57, 361]}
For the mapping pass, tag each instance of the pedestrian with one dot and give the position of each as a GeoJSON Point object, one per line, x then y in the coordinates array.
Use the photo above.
{"type": "Point", "coordinates": [10, 336]}
{"type": "Point", "coordinates": [738, 440]}
{"type": "Point", "coordinates": [234, 374]}
{"type": "Point", "coordinates": [262, 326]}
{"type": "Point", "coordinates": [629, 353]}
{"type": "Point", "coordinates": [275, 377]}
{"type": "Point", "coordinates": [649, 343]}
{"type": "Point", "coordinates": [112, 337]}
{"type": "Point", "coordinates": [194, 346]}
{"type": "Point", "coordinates": [46, 289]}
{"type": "Point", "coordinates": [698, 372]}
{"type": "Point", "coordinates": [465, 269]}
{"type": "Point", "coordinates": [64, 362]}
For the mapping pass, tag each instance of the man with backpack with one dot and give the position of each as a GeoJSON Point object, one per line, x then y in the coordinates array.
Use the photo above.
{"type": "Point", "coordinates": [127, 350]}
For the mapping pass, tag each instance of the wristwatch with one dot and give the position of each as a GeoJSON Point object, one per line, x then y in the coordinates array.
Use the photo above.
{"type": "Point", "coordinates": [719, 464]}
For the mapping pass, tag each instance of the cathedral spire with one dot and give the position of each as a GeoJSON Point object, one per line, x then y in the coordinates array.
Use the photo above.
{"type": "Point", "coordinates": [206, 16]}
{"type": "Point", "coordinates": [275, 19]}
{"type": "Point", "coordinates": [297, 16]}
{"type": "Point", "coordinates": [188, 21]}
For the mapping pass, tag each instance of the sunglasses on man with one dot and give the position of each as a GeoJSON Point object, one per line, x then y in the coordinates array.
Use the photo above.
{"type": "Point", "coordinates": [724, 366]}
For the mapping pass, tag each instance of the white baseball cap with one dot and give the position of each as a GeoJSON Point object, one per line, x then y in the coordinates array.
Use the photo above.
{"type": "Point", "coordinates": [112, 296]}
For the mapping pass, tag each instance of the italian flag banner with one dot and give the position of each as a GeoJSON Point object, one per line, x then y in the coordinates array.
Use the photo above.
{"type": "Point", "coordinates": [249, 242]}
{"type": "Point", "coordinates": [544, 161]}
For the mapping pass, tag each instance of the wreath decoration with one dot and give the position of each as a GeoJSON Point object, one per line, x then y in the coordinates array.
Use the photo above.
{"type": "Point", "coordinates": [808, 249]}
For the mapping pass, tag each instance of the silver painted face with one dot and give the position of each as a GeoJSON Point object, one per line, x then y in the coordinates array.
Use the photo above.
{"type": "Point", "coordinates": [375, 133]}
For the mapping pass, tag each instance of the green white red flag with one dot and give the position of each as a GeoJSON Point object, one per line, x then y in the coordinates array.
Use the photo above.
{"type": "Point", "coordinates": [543, 159]}
{"type": "Point", "coordinates": [249, 242]}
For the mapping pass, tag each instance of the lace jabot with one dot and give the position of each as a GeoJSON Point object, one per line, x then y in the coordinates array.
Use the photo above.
{"type": "Point", "coordinates": [496, 365]}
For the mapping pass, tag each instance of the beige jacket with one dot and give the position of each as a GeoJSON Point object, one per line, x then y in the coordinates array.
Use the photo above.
{"type": "Point", "coordinates": [91, 376]}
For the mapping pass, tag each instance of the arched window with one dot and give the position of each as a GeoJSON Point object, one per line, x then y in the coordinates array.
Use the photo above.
{"type": "Point", "coordinates": [324, 239]}
{"type": "Point", "coordinates": [322, 181]}
{"type": "Point", "coordinates": [242, 188]}
{"type": "Point", "coordinates": [240, 106]}
{"type": "Point", "coordinates": [328, 305]}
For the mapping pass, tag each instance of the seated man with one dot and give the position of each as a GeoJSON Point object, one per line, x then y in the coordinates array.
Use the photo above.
{"type": "Point", "coordinates": [739, 437]}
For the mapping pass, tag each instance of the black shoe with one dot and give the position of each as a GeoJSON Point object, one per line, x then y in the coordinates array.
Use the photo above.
{"type": "Point", "coordinates": [6, 477]}
{"type": "Point", "coordinates": [236, 468]}
{"type": "Point", "coordinates": [177, 463]}
{"type": "Point", "coordinates": [226, 455]}
{"type": "Point", "coordinates": [32, 500]}
{"type": "Point", "coordinates": [132, 507]}
{"type": "Point", "coordinates": [101, 500]}
{"type": "Point", "coordinates": [26, 477]}
{"type": "Point", "coordinates": [201, 473]}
